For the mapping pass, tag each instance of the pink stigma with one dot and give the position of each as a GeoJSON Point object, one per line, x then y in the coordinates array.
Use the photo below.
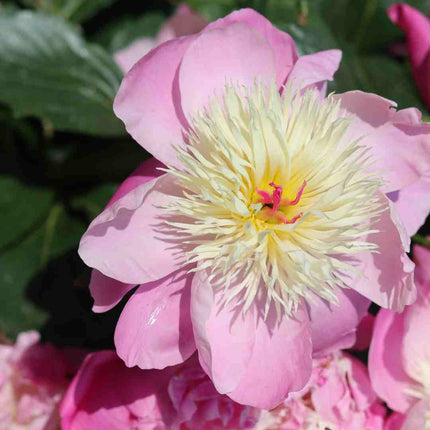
{"type": "Point", "coordinates": [275, 200]}
{"type": "Point", "coordinates": [276, 195]}
{"type": "Point", "coordinates": [298, 196]}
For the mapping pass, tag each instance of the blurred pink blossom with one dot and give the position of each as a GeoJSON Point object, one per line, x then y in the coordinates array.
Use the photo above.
{"type": "Point", "coordinates": [175, 311]}
{"type": "Point", "coordinates": [33, 379]}
{"type": "Point", "coordinates": [338, 397]}
{"type": "Point", "coordinates": [106, 394]}
{"type": "Point", "coordinates": [184, 21]}
{"type": "Point", "coordinates": [399, 356]}
{"type": "Point", "coordinates": [417, 30]}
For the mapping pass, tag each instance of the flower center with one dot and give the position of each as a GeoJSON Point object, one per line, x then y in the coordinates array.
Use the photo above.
{"type": "Point", "coordinates": [275, 196]}
{"type": "Point", "coordinates": [274, 208]}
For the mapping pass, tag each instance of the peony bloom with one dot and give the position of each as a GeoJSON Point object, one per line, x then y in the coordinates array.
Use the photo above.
{"type": "Point", "coordinates": [338, 397]}
{"type": "Point", "coordinates": [33, 379]}
{"type": "Point", "coordinates": [417, 30]}
{"type": "Point", "coordinates": [399, 356]}
{"type": "Point", "coordinates": [184, 21]}
{"type": "Point", "coordinates": [268, 232]}
{"type": "Point", "coordinates": [105, 394]}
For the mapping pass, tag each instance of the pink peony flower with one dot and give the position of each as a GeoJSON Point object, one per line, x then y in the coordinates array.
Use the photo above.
{"type": "Point", "coordinates": [338, 397]}
{"type": "Point", "coordinates": [417, 30]}
{"type": "Point", "coordinates": [268, 233]}
{"type": "Point", "coordinates": [364, 333]}
{"type": "Point", "coordinates": [183, 22]}
{"type": "Point", "coordinates": [105, 394]}
{"type": "Point", "coordinates": [33, 379]}
{"type": "Point", "coordinates": [399, 356]}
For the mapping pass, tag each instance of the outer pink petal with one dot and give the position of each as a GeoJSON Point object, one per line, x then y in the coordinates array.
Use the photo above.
{"type": "Point", "coordinates": [281, 43]}
{"type": "Point", "coordinates": [416, 418]}
{"type": "Point", "coordinates": [387, 276]}
{"type": "Point", "coordinates": [315, 68]}
{"type": "Point", "coordinates": [235, 54]}
{"type": "Point", "coordinates": [417, 30]}
{"type": "Point", "coordinates": [413, 203]}
{"type": "Point", "coordinates": [255, 362]}
{"type": "Point", "coordinates": [331, 323]}
{"type": "Point", "coordinates": [105, 394]}
{"type": "Point", "coordinates": [184, 21]}
{"type": "Point", "coordinates": [106, 292]}
{"type": "Point", "coordinates": [399, 141]}
{"type": "Point", "coordinates": [148, 100]}
{"type": "Point", "coordinates": [126, 58]}
{"type": "Point", "coordinates": [154, 329]}
{"type": "Point", "coordinates": [125, 243]}
{"type": "Point", "coordinates": [389, 379]}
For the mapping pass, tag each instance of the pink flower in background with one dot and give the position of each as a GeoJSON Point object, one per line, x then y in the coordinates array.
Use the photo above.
{"type": "Point", "coordinates": [417, 30]}
{"type": "Point", "coordinates": [364, 333]}
{"type": "Point", "coordinates": [184, 21]}
{"type": "Point", "coordinates": [338, 397]}
{"type": "Point", "coordinates": [399, 356]}
{"type": "Point", "coordinates": [33, 379]}
{"type": "Point", "coordinates": [105, 394]}
{"type": "Point", "coordinates": [268, 207]}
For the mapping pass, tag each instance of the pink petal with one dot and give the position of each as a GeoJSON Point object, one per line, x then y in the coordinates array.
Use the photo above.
{"type": "Point", "coordinates": [387, 276]}
{"type": "Point", "coordinates": [154, 329]}
{"type": "Point", "coordinates": [422, 269]}
{"type": "Point", "coordinates": [255, 362]}
{"type": "Point", "coordinates": [389, 379]}
{"type": "Point", "coordinates": [124, 241]}
{"type": "Point", "coordinates": [126, 58]}
{"type": "Point", "coordinates": [105, 394]}
{"type": "Point", "coordinates": [281, 43]}
{"type": "Point", "coordinates": [235, 54]}
{"type": "Point", "coordinates": [364, 333]}
{"type": "Point", "coordinates": [106, 292]}
{"type": "Point", "coordinates": [183, 22]}
{"type": "Point", "coordinates": [416, 418]}
{"type": "Point", "coordinates": [148, 101]}
{"type": "Point", "coordinates": [359, 385]}
{"type": "Point", "coordinates": [413, 203]}
{"type": "Point", "coordinates": [315, 68]}
{"type": "Point", "coordinates": [394, 421]}
{"type": "Point", "coordinates": [415, 350]}
{"type": "Point", "coordinates": [417, 30]}
{"type": "Point", "coordinates": [399, 141]}
{"type": "Point", "coordinates": [330, 323]}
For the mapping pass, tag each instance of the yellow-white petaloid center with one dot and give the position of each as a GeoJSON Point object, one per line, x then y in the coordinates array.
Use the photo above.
{"type": "Point", "coordinates": [276, 199]}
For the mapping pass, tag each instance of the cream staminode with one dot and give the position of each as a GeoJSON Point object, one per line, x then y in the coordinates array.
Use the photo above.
{"type": "Point", "coordinates": [274, 195]}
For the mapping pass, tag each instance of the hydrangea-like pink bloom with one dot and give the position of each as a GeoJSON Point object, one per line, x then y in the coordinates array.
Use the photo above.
{"type": "Point", "coordinates": [106, 394]}
{"type": "Point", "coordinates": [33, 379]}
{"type": "Point", "coordinates": [399, 356]}
{"type": "Point", "coordinates": [268, 233]}
{"type": "Point", "coordinates": [338, 397]}
{"type": "Point", "coordinates": [417, 30]}
{"type": "Point", "coordinates": [184, 21]}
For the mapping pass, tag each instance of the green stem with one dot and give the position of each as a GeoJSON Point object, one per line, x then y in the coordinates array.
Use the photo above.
{"type": "Point", "coordinates": [421, 240]}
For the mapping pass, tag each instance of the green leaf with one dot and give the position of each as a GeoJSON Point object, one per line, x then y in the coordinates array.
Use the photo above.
{"type": "Point", "coordinates": [21, 206]}
{"type": "Point", "coordinates": [20, 264]}
{"type": "Point", "coordinates": [380, 75]}
{"type": "Point", "coordinates": [47, 70]}
{"type": "Point", "coordinates": [73, 10]}
{"type": "Point", "coordinates": [123, 32]}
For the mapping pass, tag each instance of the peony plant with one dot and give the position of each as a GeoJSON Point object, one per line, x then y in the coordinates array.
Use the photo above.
{"type": "Point", "coordinates": [266, 229]}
